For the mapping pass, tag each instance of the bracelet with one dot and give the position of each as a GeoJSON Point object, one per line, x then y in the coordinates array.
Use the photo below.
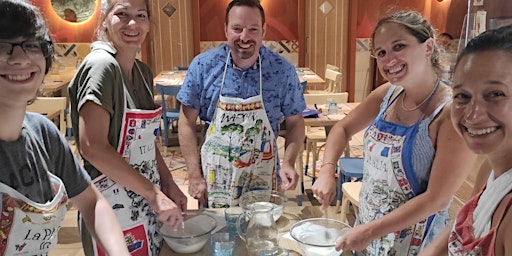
{"type": "Point", "coordinates": [327, 162]}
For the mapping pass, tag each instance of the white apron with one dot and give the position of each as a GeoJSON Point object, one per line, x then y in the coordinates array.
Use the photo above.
{"type": "Point", "coordinates": [389, 182]}
{"type": "Point", "coordinates": [137, 146]}
{"type": "Point", "coordinates": [28, 227]}
{"type": "Point", "coordinates": [238, 154]}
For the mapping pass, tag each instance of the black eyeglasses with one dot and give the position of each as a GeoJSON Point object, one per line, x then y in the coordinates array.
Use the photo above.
{"type": "Point", "coordinates": [30, 47]}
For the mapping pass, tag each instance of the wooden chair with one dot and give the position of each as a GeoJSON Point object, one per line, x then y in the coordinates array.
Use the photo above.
{"type": "Point", "coordinates": [315, 135]}
{"type": "Point", "coordinates": [333, 79]}
{"type": "Point", "coordinates": [54, 108]}
{"type": "Point", "coordinates": [331, 67]}
{"type": "Point", "coordinates": [350, 195]}
{"type": "Point", "coordinates": [349, 169]}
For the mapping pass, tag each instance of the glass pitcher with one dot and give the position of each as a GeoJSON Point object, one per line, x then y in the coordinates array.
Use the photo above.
{"type": "Point", "coordinates": [261, 233]}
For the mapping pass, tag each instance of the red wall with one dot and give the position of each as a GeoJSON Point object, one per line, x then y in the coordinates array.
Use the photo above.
{"type": "Point", "coordinates": [68, 32]}
{"type": "Point", "coordinates": [445, 16]}
{"type": "Point", "coordinates": [281, 17]}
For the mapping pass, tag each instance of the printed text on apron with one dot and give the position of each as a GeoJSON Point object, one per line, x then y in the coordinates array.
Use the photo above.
{"type": "Point", "coordinates": [238, 153]}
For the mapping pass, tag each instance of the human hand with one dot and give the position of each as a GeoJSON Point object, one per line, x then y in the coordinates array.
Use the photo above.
{"type": "Point", "coordinates": [172, 191]}
{"type": "Point", "coordinates": [289, 177]}
{"type": "Point", "coordinates": [166, 210]}
{"type": "Point", "coordinates": [324, 188]}
{"type": "Point", "coordinates": [197, 188]}
{"type": "Point", "coordinates": [356, 238]}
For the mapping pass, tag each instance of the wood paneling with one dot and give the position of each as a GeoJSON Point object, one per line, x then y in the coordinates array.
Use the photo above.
{"type": "Point", "coordinates": [281, 18]}
{"type": "Point", "coordinates": [326, 37]}
{"type": "Point", "coordinates": [171, 38]}
{"type": "Point", "coordinates": [174, 41]}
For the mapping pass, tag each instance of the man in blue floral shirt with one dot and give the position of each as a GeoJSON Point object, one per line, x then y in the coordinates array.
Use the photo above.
{"type": "Point", "coordinates": [243, 91]}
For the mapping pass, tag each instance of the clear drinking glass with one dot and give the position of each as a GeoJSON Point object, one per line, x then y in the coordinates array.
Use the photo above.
{"type": "Point", "coordinates": [222, 244]}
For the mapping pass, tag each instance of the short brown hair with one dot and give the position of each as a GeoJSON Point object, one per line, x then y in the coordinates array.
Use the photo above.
{"type": "Point", "coordinates": [248, 3]}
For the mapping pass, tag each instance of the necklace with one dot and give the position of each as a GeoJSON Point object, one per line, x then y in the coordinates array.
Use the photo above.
{"type": "Point", "coordinates": [423, 102]}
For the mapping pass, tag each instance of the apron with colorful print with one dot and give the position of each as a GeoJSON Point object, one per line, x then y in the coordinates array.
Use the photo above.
{"type": "Point", "coordinates": [28, 227]}
{"type": "Point", "coordinates": [237, 155]}
{"type": "Point", "coordinates": [137, 146]}
{"type": "Point", "coordinates": [463, 242]}
{"type": "Point", "coordinates": [389, 182]}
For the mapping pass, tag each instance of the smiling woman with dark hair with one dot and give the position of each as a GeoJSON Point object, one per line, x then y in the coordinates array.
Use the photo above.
{"type": "Point", "coordinates": [482, 100]}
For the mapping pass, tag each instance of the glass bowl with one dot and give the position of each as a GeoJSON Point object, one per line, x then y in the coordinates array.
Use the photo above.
{"type": "Point", "coordinates": [317, 236]}
{"type": "Point", "coordinates": [277, 199]}
{"type": "Point", "coordinates": [192, 236]}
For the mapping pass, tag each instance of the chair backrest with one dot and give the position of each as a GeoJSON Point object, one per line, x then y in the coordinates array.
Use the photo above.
{"type": "Point", "coordinates": [340, 97]}
{"type": "Point", "coordinates": [331, 67]}
{"type": "Point", "coordinates": [49, 105]}
{"type": "Point", "coordinates": [168, 90]}
{"type": "Point", "coordinates": [181, 68]}
{"type": "Point", "coordinates": [332, 78]}
{"type": "Point", "coordinates": [304, 85]}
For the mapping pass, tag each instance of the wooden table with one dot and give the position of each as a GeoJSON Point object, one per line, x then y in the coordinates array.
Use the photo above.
{"type": "Point", "coordinates": [169, 77]}
{"type": "Point", "coordinates": [326, 120]}
{"type": "Point", "coordinates": [54, 88]}
{"type": "Point", "coordinates": [306, 74]}
{"type": "Point", "coordinates": [55, 84]}
{"type": "Point", "coordinates": [291, 215]}
{"type": "Point", "coordinates": [176, 77]}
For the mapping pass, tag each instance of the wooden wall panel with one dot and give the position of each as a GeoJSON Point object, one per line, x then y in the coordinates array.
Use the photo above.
{"type": "Point", "coordinates": [171, 38]}
{"type": "Point", "coordinates": [326, 36]}
{"type": "Point", "coordinates": [281, 18]}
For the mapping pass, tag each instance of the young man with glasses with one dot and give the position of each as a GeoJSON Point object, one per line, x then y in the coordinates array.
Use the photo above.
{"type": "Point", "coordinates": [38, 172]}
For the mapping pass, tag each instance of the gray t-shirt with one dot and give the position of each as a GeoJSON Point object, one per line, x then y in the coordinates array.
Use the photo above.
{"type": "Point", "coordinates": [99, 79]}
{"type": "Point", "coordinates": [21, 163]}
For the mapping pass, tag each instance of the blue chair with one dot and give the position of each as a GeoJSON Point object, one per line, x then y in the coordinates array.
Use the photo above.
{"type": "Point", "coordinates": [181, 68]}
{"type": "Point", "coordinates": [169, 115]}
{"type": "Point", "coordinates": [348, 168]}
{"type": "Point", "coordinates": [304, 85]}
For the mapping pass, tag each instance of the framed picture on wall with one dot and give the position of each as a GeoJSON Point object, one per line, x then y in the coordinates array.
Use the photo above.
{"type": "Point", "coordinates": [478, 2]}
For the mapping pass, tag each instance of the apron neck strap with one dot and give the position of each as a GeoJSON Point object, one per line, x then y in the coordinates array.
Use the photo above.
{"type": "Point", "coordinates": [226, 68]}
{"type": "Point", "coordinates": [39, 153]}
{"type": "Point", "coordinates": [129, 103]}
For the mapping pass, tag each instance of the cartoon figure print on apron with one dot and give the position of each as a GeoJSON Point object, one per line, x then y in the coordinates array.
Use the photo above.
{"type": "Point", "coordinates": [28, 227]}
{"type": "Point", "coordinates": [238, 152]}
{"type": "Point", "coordinates": [137, 146]}
{"type": "Point", "coordinates": [389, 181]}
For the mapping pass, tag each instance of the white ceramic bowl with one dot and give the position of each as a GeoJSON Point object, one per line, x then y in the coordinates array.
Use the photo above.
{"type": "Point", "coordinates": [312, 237]}
{"type": "Point", "coordinates": [278, 200]}
{"type": "Point", "coordinates": [192, 237]}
